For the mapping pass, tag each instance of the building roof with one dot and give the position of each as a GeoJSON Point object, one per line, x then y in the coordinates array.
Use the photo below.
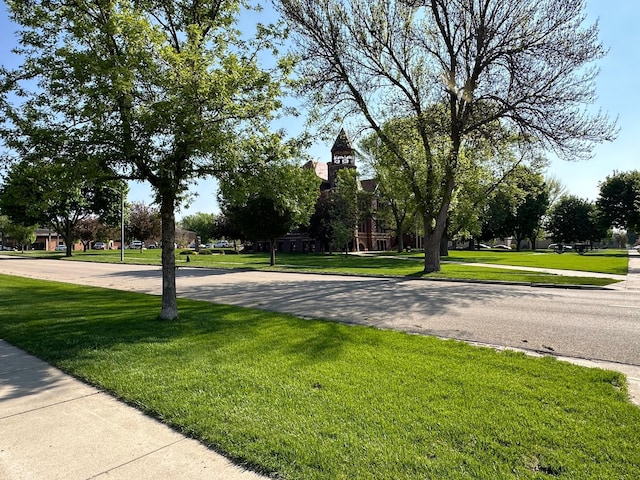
{"type": "Point", "coordinates": [321, 168]}
{"type": "Point", "coordinates": [368, 185]}
{"type": "Point", "coordinates": [342, 142]}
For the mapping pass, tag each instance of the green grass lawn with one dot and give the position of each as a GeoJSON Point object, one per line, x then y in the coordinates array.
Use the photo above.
{"type": "Point", "coordinates": [395, 265]}
{"type": "Point", "coordinates": [308, 399]}
{"type": "Point", "coordinates": [601, 261]}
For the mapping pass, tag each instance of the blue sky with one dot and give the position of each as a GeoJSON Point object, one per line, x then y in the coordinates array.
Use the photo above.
{"type": "Point", "coordinates": [617, 89]}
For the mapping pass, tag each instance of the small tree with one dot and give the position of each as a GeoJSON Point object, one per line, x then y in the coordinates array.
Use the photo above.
{"type": "Point", "coordinates": [267, 197]}
{"type": "Point", "coordinates": [344, 212]}
{"type": "Point", "coordinates": [223, 227]}
{"type": "Point", "coordinates": [201, 223]}
{"type": "Point", "coordinates": [533, 205]}
{"type": "Point", "coordinates": [4, 224]}
{"type": "Point", "coordinates": [162, 90]}
{"type": "Point", "coordinates": [320, 224]}
{"type": "Point", "coordinates": [24, 235]}
{"type": "Point", "coordinates": [87, 230]}
{"type": "Point", "coordinates": [144, 222]}
{"type": "Point", "coordinates": [395, 201]}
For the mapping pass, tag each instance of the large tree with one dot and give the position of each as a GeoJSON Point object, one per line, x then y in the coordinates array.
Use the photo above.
{"type": "Point", "coordinates": [619, 200]}
{"type": "Point", "coordinates": [573, 219]}
{"type": "Point", "coordinates": [58, 194]}
{"type": "Point", "coordinates": [144, 222]}
{"type": "Point", "coordinates": [160, 89]}
{"type": "Point", "coordinates": [464, 70]}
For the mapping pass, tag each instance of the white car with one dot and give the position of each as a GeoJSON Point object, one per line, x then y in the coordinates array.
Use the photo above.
{"type": "Point", "coordinates": [100, 246]}
{"type": "Point", "coordinates": [221, 244]}
{"type": "Point", "coordinates": [61, 248]}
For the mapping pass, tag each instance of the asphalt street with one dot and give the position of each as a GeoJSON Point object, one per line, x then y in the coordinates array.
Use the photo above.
{"type": "Point", "coordinates": [580, 323]}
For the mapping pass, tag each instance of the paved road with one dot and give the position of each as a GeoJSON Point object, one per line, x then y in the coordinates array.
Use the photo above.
{"type": "Point", "coordinates": [589, 324]}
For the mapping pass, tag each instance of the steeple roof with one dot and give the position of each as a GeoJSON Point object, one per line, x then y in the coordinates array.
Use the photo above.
{"type": "Point", "coordinates": [342, 142]}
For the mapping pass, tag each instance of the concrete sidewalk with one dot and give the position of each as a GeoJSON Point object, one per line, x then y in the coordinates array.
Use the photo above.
{"type": "Point", "coordinates": [56, 427]}
{"type": "Point", "coordinates": [632, 282]}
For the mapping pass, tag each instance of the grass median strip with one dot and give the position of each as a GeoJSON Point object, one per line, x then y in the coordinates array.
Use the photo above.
{"type": "Point", "coordinates": [311, 399]}
{"type": "Point", "coordinates": [390, 264]}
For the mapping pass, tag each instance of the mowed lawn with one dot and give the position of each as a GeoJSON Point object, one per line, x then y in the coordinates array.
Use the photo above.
{"type": "Point", "coordinates": [601, 261]}
{"type": "Point", "coordinates": [312, 399]}
{"type": "Point", "coordinates": [393, 264]}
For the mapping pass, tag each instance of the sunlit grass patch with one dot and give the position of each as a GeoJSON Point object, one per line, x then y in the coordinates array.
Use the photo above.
{"type": "Point", "coordinates": [312, 399]}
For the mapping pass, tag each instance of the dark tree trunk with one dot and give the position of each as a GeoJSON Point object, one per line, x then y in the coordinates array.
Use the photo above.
{"type": "Point", "coordinates": [169, 297]}
{"type": "Point", "coordinates": [400, 240]}
{"type": "Point", "coordinates": [272, 252]}
{"type": "Point", "coordinates": [68, 240]}
{"type": "Point", "coordinates": [431, 253]}
{"type": "Point", "coordinates": [444, 246]}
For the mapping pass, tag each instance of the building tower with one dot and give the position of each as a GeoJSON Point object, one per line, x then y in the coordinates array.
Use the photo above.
{"type": "Point", "coordinates": [342, 156]}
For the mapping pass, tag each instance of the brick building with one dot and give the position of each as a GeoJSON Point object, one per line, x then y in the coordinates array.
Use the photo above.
{"type": "Point", "coordinates": [367, 236]}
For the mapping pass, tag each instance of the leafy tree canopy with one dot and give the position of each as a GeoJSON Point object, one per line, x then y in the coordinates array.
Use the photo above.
{"type": "Point", "coordinates": [268, 196]}
{"type": "Point", "coordinates": [144, 222]}
{"type": "Point", "coordinates": [573, 219]}
{"type": "Point", "coordinates": [59, 195]}
{"type": "Point", "coordinates": [160, 90]}
{"type": "Point", "coordinates": [524, 67]}
{"type": "Point", "coordinates": [201, 223]}
{"type": "Point", "coordinates": [619, 200]}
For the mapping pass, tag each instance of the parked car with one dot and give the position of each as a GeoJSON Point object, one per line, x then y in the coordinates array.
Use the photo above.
{"type": "Point", "coordinates": [136, 244]}
{"type": "Point", "coordinates": [502, 247]}
{"type": "Point", "coordinates": [557, 246]}
{"type": "Point", "coordinates": [61, 247]}
{"type": "Point", "coordinates": [221, 244]}
{"type": "Point", "coordinates": [100, 246]}
{"type": "Point", "coordinates": [483, 246]}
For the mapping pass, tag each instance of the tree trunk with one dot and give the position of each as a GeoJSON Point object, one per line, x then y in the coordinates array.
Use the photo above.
{"type": "Point", "coordinates": [431, 252]}
{"type": "Point", "coordinates": [400, 240]}
{"type": "Point", "coordinates": [444, 246]}
{"type": "Point", "coordinates": [68, 240]}
{"type": "Point", "coordinates": [432, 239]}
{"type": "Point", "coordinates": [272, 252]}
{"type": "Point", "coordinates": [169, 297]}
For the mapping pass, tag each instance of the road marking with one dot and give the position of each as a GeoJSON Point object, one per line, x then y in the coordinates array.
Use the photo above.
{"type": "Point", "coordinates": [626, 306]}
